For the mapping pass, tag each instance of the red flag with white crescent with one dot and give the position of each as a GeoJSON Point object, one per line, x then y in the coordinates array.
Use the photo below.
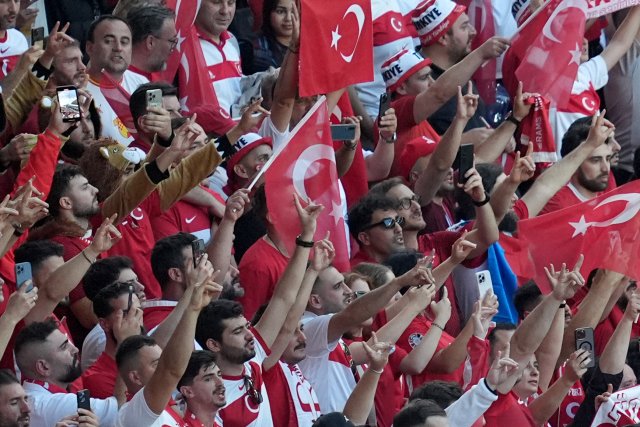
{"type": "Point", "coordinates": [605, 229]}
{"type": "Point", "coordinates": [481, 15]}
{"type": "Point", "coordinates": [545, 53]}
{"type": "Point", "coordinates": [186, 11]}
{"type": "Point", "coordinates": [336, 45]}
{"type": "Point", "coordinates": [118, 99]}
{"type": "Point", "coordinates": [307, 165]}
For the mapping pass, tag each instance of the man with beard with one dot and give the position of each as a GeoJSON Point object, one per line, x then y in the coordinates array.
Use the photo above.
{"type": "Point", "coordinates": [109, 49]}
{"type": "Point", "coordinates": [14, 405]}
{"type": "Point", "coordinates": [154, 37]}
{"type": "Point", "coordinates": [120, 316]}
{"type": "Point", "coordinates": [49, 363]}
{"type": "Point", "coordinates": [13, 43]}
{"type": "Point", "coordinates": [202, 388]}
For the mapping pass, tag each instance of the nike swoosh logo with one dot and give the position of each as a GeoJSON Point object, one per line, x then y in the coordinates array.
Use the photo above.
{"type": "Point", "coordinates": [4, 50]}
{"type": "Point", "coordinates": [190, 220]}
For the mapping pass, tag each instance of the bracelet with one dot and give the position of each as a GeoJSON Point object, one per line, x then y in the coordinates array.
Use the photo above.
{"type": "Point", "coordinates": [484, 202]}
{"type": "Point", "coordinates": [513, 120]}
{"type": "Point", "coordinates": [486, 384]}
{"type": "Point", "coordinates": [87, 258]}
{"type": "Point", "coordinates": [18, 231]}
{"type": "Point", "coordinates": [303, 243]}
{"type": "Point", "coordinates": [350, 147]}
{"type": "Point", "coordinates": [437, 326]}
{"type": "Point", "coordinates": [391, 140]}
{"type": "Point", "coordinates": [377, 372]}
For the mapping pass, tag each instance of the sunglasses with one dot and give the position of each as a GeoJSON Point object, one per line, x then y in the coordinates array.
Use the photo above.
{"type": "Point", "coordinates": [387, 223]}
{"type": "Point", "coordinates": [254, 394]}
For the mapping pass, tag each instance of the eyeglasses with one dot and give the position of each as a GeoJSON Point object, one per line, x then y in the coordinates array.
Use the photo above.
{"type": "Point", "coordinates": [173, 42]}
{"type": "Point", "coordinates": [254, 394]}
{"type": "Point", "coordinates": [406, 202]}
{"type": "Point", "coordinates": [387, 223]}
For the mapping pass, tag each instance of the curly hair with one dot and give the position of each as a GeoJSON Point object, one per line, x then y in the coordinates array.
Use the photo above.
{"type": "Point", "coordinates": [98, 170]}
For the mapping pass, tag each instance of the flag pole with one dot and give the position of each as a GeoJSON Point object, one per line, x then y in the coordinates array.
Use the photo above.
{"type": "Point", "coordinates": [295, 130]}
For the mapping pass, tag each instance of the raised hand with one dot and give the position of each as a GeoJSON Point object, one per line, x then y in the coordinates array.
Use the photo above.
{"type": "Point", "coordinates": [6, 213]}
{"type": "Point", "coordinates": [157, 121]}
{"type": "Point", "coordinates": [323, 254]}
{"type": "Point", "coordinates": [483, 312]}
{"type": "Point", "coordinates": [201, 273]}
{"type": "Point", "coordinates": [601, 129]}
{"type": "Point", "coordinates": [308, 216]}
{"type": "Point", "coordinates": [56, 42]}
{"type": "Point", "coordinates": [467, 104]}
{"type": "Point", "coordinates": [353, 120]}
{"type": "Point", "coordinates": [205, 292]}
{"type": "Point", "coordinates": [521, 107]}
{"type": "Point", "coordinates": [565, 283]}
{"type": "Point", "coordinates": [633, 307]}
{"type": "Point", "coordinates": [252, 116]}
{"type": "Point", "coordinates": [377, 353]}
{"type": "Point", "coordinates": [473, 186]}
{"type": "Point", "coordinates": [20, 303]}
{"type": "Point", "coordinates": [524, 167]}
{"type": "Point", "coordinates": [105, 237]}
{"type": "Point", "coordinates": [294, 44]}
{"type": "Point", "coordinates": [441, 310]}
{"type": "Point", "coordinates": [576, 365]}
{"type": "Point", "coordinates": [503, 374]}
{"type": "Point", "coordinates": [18, 149]}
{"type": "Point", "coordinates": [127, 324]}
{"type": "Point", "coordinates": [494, 47]}
{"type": "Point", "coordinates": [236, 204]}
{"type": "Point", "coordinates": [30, 207]}
{"type": "Point", "coordinates": [604, 397]}
{"type": "Point", "coordinates": [461, 248]}
{"type": "Point", "coordinates": [420, 274]}
{"type": "Point", "coordinates": [388, 124]}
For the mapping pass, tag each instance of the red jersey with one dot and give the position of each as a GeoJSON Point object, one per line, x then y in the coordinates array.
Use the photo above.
{"type": "Point", "coordinates": [508, 411]}
{"type": "Point", "coordinates": [565, 197]}
{"type": "Point", "coordinates": [260, 269]}
{"type": "Point", "coordinates": [100, 378]}
{"type": "Point", "coordinates": [565, 414]}
{"type": "Point", "coordinates": [361, 256]}
{"type": "Point", "coordinates": [156, 311]}
{"type": "Point", "coordinates": [190, 420]}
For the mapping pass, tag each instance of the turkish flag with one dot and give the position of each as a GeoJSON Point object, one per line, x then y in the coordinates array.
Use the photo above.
{"type": "Point", "coordinates": [481, 14]}
{"type": "Point", "coordinates": [307, 165]}
{"type": "Point", "coordinates": [336, 45]}
{"type": "Point", "coordinates": [118, 99]}
{"type": "Point", "coordinates": [186, 11]}
{"type": "Point", "coordinates": [605, 229]}
{"type": "Point", "coordinates": [545, 53]}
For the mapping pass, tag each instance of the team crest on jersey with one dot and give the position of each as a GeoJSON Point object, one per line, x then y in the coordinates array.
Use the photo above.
{"type": "Point", "coordinates": [121, 127]}
{"type": "Point", "coordinates": [415, 339]}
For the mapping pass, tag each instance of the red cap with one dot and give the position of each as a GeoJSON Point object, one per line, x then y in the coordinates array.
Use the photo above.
{"type": "Point", "coordinates": [413, 150]}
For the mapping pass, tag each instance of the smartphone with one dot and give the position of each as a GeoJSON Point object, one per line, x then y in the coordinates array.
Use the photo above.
{"type": "Point", "coordinates": [485, 284]}
{"type": "Point", "coordinates": [343, 132]}
{"type": "Point", "coordinates": [464, 161]}
{"type": "Point", "coordinates": [84, 399]}
{"type": "Point", "coordinates": [385, 104]}
{"type": "Point", "coordinates": [584, 340]}
{"type": "Point", "coordinates": [23, 274]}
{"type": "Point", "coordinates": [68, 102]}
{"type": "Point", "coordinates": [130, 303]}
{"type": "Point", "coordinates": [197, 246]}
{"type": "Point", "coordinates": [154, 98]}
{"type": "Point", "coordinates": [37, 37]}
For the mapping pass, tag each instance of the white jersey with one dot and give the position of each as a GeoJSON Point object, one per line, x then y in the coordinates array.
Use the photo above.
{"type": "Point", "coordinates": [92, 346]}
{"type": "Point", "coordinates": [136, 412]}
{"type": "Point", "coordinates": [223, 65]}
{"type": "Point", "coordinates": [112, 126]}
{"type": "Point", "coordinates": [327, 366]}
{"type": "Point", "coordinates": [301, 399]}
{"type": "Point", "coordinates": [390, 36]}
{"type": "Point", "coordinates": [584, 100]}
{"type": "Point", "coordinates": [241, 409]}
{"type": "Point", "coordinates": [12, 46]}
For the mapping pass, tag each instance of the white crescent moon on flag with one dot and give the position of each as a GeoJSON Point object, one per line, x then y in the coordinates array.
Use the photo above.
{"type": "Point", "coordinates": [630, 211]}
{"type": "Point", "coordinates": [588, 104]}
{"type": "Point", "coordinates": [357, 11]}
{"type": "Point", "coordinates": [395, 24]}
{"type": "Point", "coordinates": [546, 30]}
{"type": "Point", "coordinates": [308, 157]}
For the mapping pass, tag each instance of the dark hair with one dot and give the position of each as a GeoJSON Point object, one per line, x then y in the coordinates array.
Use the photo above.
{"type": "Point", "coordinates": [99, 20]}
{"type": "Point", "coordinates": [7, 378]}
{"type": "Point", "coordinates": [37, 332]}
{"type": "Point", "coordinates": [351, 277]}
{"type": "Point", "coordinates": [37, 251]}
{"type": "Point", "coordinates": [402, 261]}
{"type": "Point", "coordinates": [575, 135]}
{"type": "Point", "coordinates": [102, 300]}
{"type": "Point", "coordinates": [147, 21]}
{"type": "Point", "coordinates": [377, 273]}
{"type": "Point", "coordinates": [210, 321]}
{"type": "Point", "coordinates": [415, 414]}
{"type": "Point", "coordinates": [267, 7]}
{"type": "Point", "coordinates": [443, 393]}
{"type": "Point", "coordinates": [104, 272]}
{"type": "Point", "coordinates": [383, 187]}
{"type": "Point", "coordinates": [199, 359]}
{"type": "Point", "coordinates": [526, 298]}
{"type": "Point", "coordinates": [138, 99]}
{"type": "Point", "coordinates": [60, 185]}
{"type": "Point", "coordinates": [167, 253]}
{"type": "Point", "coordinates": [491, 337]}
{"type": "Point", "coordinates": [259, 204]}
{"type": "Point", "coordinates": [130, 347]}
{"type": "Point", "coordinates": [361, 213]}
{"type": "Point", "coordinates": [489, 172]}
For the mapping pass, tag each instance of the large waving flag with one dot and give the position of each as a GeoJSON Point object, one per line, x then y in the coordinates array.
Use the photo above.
{"type": "Point", "coordinates": [307, 165]}
{"type": "Point", "coordinates": [186, 11]}
{"type": "Point", "coordinates": [481, 15]}
{"type": "Point", "coordinates": [545, 53]}
{"type": "Point", "coordinates": [336, 45]}
{"type": "Point", "coordinates": [605, 229]}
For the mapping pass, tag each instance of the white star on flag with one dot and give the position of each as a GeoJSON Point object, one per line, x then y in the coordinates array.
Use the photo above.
{"type": "Point", "coordinates": [575, 55]}
{"type": "Point", "coordinates": [336, 212]}
{"type": "Point", "coordinates": [580, 227]}
{"type": "Point", "coordinates": [335, 36]}
{"type": "Point", "coordinates": [180, 40]}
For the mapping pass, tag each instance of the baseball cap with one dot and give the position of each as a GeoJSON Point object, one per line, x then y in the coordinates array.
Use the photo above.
{"type": "Point", "coordinates": [401, 66]}
{"type": "Point", "coordinates": [432, 18]}
{"type": "Point", "coordinates": [243, 146]}
{"type": "Point", "coordinates": [412, 151]}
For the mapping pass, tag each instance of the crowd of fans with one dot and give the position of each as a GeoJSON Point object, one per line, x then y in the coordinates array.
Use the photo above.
{"type": "Point", "coordinates": [106, 292]}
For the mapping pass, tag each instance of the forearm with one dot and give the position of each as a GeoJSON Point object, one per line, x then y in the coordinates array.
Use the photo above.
{"type": "Point", "coordinates": [442, 272]}
{"type": "Point", "coordinates": [7, 239]}
{"type": "Point", "coordinates": [130, 193]}
{"type": "Point", "coordinates": [21, 99]}
{"type": "Point", "coordinates": [176, 354]}
{"type": "Point", "coordinates": [501, 198]}
{"type": "Point", "coordinates": [452, 357]}
{"type": "Point", "coordinates": [529, 335]}
{"type": "Point", "coordinates": [344, 159]}
{"type": "Point", "coordinates": [614, 355]}
{"type": "Point", "coordinates": [367, 306]}
{"type": "Point", "coordinates": [543, 407]}
{"type": "Point", "coordinates": [548, 352]}
{"type": "Point", "coordinates": [7, 327]}
{"type": "Point", "coordinates": [165, 329]}
{"type": "Point", "coordinates": [440, 162]}
{"type": "Point", "coordinates": [360, 401]}
{"type": "Point", "coordinates": [623, 38]}
{"type": "Point", "coordinates": [221, 247]}
{"type": "Point", "coordinates": [492, 148]}
{"type": "Point", "coordinates": [379, 162]}
{"type": "Point", "coordinates": [420, 356]}
{"type": "Point", "coordinates": [284, 93]}
{"type": "Point", "coordinates": [465, 411]}
{"type": "Point", "coordinates": [485, 229]}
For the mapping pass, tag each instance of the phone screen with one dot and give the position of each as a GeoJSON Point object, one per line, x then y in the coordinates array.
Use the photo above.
{"type": "Point", "coordinates": [69, 106]}
{"type": "Point", "coordinates": [37, 37]}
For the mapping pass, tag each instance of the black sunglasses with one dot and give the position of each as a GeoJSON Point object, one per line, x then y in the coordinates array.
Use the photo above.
{"type": "Point", "coordinates": [254, 394]}
{"type": "Point", "coordinates": [387, 223]}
